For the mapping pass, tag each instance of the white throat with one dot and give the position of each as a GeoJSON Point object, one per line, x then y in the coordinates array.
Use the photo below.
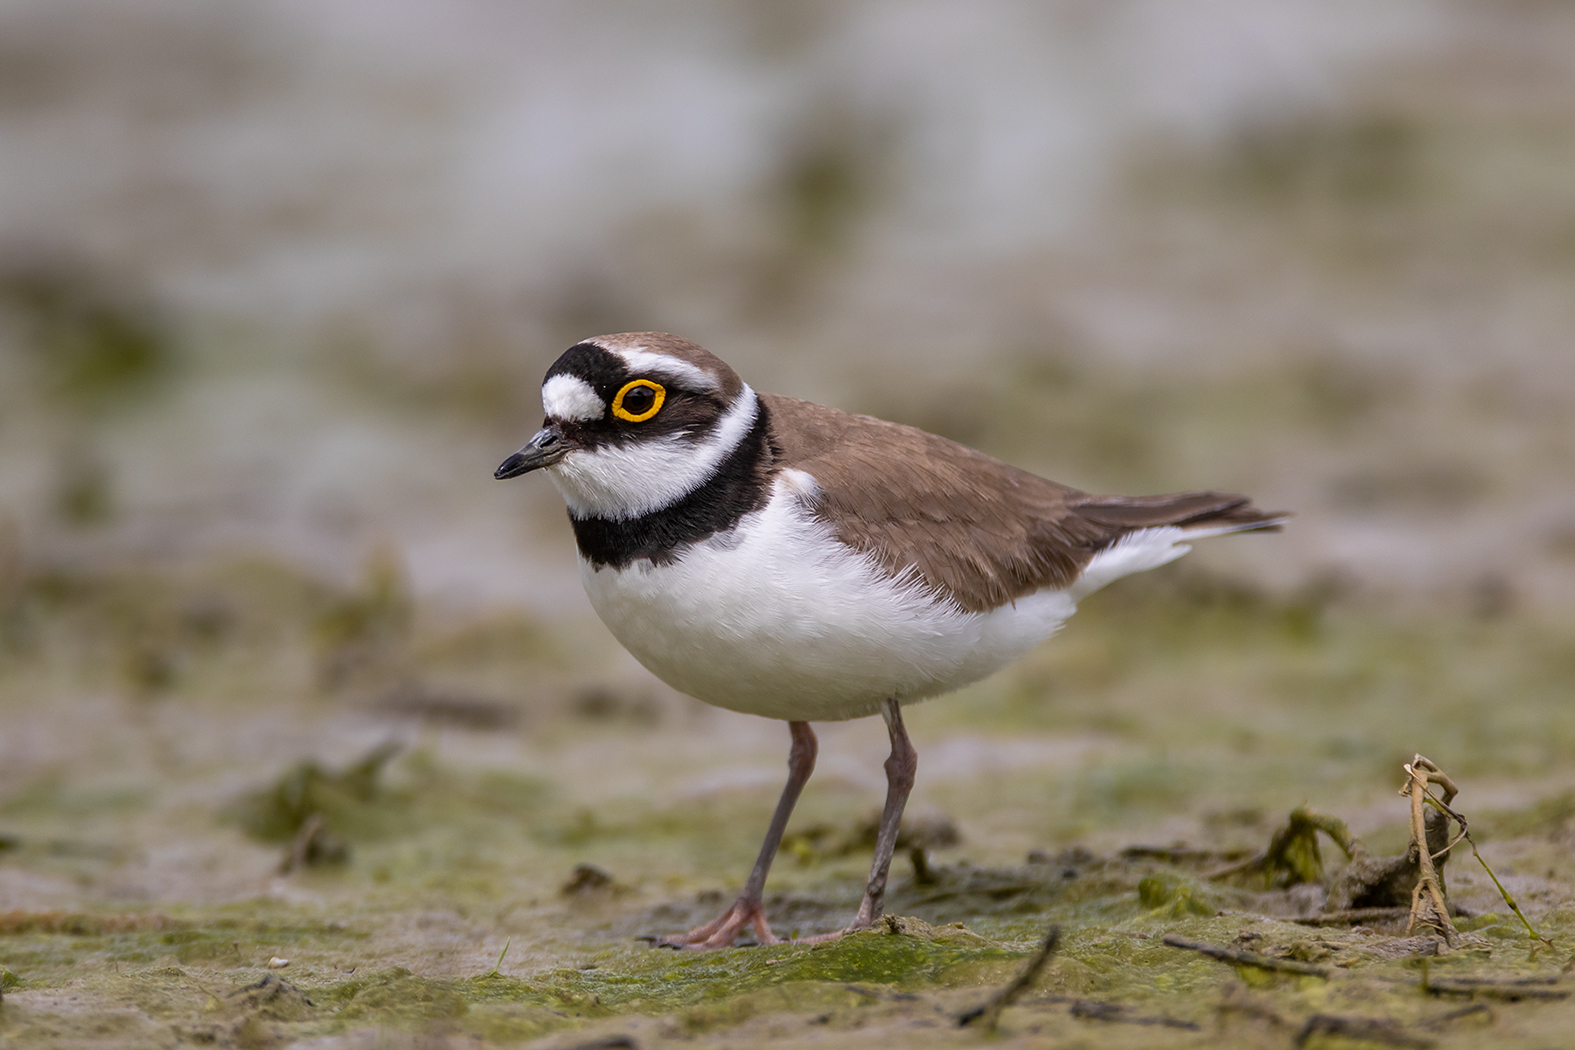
{"type": "Point", "coordinates": [620, 482]}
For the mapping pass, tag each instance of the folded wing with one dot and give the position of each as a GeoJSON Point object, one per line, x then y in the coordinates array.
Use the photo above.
{"type": "Point", "coordinates": [974, 529]}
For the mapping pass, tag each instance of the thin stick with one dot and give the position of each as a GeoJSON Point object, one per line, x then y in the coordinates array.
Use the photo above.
{"type": "Point", "coordinates": [1353, 916]}
{"type": "Point", "coordinates": [1512, 991]}
{"type": "Point", "coordinates": [1364, 1029]}
{"type": "Point", "coordinates": [1092, 1010]}
{"type": "Point", "coordinates": [1237, 957]}
{"type": "Point", "coordinates": [991, 1011]}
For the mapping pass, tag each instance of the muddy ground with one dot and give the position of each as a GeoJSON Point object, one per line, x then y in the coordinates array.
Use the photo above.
{"type": "Point", "coordinates": [167, 740]}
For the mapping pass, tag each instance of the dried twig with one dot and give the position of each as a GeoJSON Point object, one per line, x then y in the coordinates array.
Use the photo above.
{"type": "Point", "coordinates": [1511, 990]}
{"type": "Point", "coordinates": [1353, 917]}
{"type": "Point", "coordinates": [1237, 957]}
{"type": "Point", "coordinates": [1366, 1029]}
{"type": "Point", "coordinates": [611, 1042]}
{"type": "Point", "coordinates": [299, 855]}
{"type": "Point", "coordinates": [1451, 1016]}
{"type": "Point", "coordinates": [1428, 907]}
{"type": "Point", "coordinates": [1093, 1010]}
{"type": "Point", "coordinates": [990, 1012]}
{"type": "Point", "coordinates": [1184, 854]}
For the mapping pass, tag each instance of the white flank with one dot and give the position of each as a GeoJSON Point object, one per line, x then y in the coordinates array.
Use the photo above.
{"type": "Point", "coordinates": [1147, 549]}
{"type": "Point", "coordinates": [779, 618]}
{"type": "Point", "coordinates": [627, 481]}
{"type": "Point", "coordinates": [1137, 551]}
{"type": "Point", "coordinates": [646, 362]}
{"type": "Point", "coordinates": [571, 399]}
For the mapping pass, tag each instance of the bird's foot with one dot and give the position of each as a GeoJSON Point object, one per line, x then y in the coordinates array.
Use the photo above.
{"type": "Point", "coordinates": [863, 922]}
{"type": "Point", "coordinates": [722, 931]}
{"type": "Point", "coordinates": [822, 938]}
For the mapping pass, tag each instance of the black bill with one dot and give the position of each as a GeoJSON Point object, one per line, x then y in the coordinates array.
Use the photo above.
{"type": "Point", "coordinates": [546, 448]}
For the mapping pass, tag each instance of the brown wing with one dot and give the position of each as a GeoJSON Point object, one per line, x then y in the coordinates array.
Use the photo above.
{"type": "Point", "coordinates": [975, 529]}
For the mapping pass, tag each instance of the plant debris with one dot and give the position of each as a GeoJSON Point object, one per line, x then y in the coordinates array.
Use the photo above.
{"type": "Point", "coordinates": [1292, 857]}
{"type": "Point", "coordinates": [1238, 957]}
{"type": "Point", "coordinates": [1513, 990]}
{"type": "Point", "coordinates": [587, 879]}
{"type": "Point", "coordinates": [1090, 1010]}
{"type": "Point", "coordinates": [1362, 1029]}
{"type": "Point", "coordinates": [990, 1012]}
{"type": "Point", "coordinates": [314, 845]}
{"type": "Point", "coordinates": [311, 807]}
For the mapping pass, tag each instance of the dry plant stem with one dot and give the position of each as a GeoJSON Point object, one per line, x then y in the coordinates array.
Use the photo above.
{"type": "Point", "coordinates": [1465, 833]}
{"type": "Point", "coordinates": [1360, 1029]}
{"type": "Point", "coordinates": [1237, 957]}
{"type": "Point", "coordinates": [1092, 1010]}
{"type": "Point", "coordinates": [1428, 907]}
{"type": "Point", "coordinates": [1510, 991]}
{"type": "Point", "coordinates": [301, 845]}
{"type": "Point", "coordinates": [1509, 900]}
{"type": "Point", "coordinates": [749, 909]}
{"type": "Point", "coordinates": [990, 1012]}
{"type": "Point", "coordinates": [1450, 1016]}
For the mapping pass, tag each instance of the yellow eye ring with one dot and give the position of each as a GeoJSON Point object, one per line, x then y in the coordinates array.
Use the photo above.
{"type": "Point", "coordinates": [656, 405]}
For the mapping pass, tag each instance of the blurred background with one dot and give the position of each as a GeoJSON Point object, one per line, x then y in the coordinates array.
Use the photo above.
{"type": "Point", "coordinates": [283, 277]}
{"type": "Point", "coordinates": [279, 279]}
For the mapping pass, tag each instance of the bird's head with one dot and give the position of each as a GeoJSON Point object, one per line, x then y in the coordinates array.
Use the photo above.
{"type": "Point", "coordinates": [634, 422]}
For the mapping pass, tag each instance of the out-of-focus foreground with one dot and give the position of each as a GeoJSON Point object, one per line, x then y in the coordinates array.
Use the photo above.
{"type": "Point", "coordinates": [285, 675]}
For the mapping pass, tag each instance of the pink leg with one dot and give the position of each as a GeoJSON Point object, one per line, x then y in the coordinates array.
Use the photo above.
{"type": "Point", "coordinates": [748, 909]}
{"type": "Point", "coordinates": [900, 769]}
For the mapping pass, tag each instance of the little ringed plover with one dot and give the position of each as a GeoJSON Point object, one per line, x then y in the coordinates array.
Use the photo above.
{"type": "Point", "coordinates": [784, 559]}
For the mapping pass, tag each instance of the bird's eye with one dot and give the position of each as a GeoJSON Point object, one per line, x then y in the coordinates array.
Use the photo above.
{"type": "Point", "coordinates": [638, 401]}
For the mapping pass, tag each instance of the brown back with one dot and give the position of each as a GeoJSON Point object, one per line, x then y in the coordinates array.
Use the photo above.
{"type": "Point", "coordinates": [976, 530]}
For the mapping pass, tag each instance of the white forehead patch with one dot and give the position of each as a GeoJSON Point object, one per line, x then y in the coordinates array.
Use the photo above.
{"type": "Point", "coordinates": [691, 376]}
{"type": "Point", "coordinates": [571, 399]}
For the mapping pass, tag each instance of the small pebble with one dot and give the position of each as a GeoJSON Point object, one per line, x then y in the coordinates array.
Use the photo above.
{"type": "Point", "coordinates": [277, 963]}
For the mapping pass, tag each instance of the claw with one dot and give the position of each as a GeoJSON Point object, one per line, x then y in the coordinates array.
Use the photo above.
{"type": "Point", "coordinates": [722, 931]}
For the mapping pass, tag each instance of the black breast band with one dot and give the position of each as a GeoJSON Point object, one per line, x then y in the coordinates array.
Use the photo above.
{"type": "Point", "coordinates": [738, 487]}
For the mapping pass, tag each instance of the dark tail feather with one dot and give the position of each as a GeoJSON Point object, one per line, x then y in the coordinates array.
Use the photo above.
{"type": "Point", "coordinates": [1208, 512]}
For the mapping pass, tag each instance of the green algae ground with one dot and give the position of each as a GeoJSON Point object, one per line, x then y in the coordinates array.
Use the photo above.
{"type": "Point", "coordinates": [464, 773]}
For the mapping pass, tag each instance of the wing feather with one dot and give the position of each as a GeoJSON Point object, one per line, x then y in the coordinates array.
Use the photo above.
{"type": "Point", "coordinates": [977, 531]}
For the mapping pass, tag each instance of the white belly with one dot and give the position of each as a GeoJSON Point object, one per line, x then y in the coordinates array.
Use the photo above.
{"type": "Point", "coordinates": [778, 618]}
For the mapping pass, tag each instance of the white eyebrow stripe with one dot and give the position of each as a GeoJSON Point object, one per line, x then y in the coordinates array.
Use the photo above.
{"type": "Point", "coordinates": [690, 375]}
{"type": "Point", "coordinates": [571, 399]}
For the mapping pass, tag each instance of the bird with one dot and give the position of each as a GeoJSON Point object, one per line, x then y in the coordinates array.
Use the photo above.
{"type": "Point", "coordinates": [782, 558]}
